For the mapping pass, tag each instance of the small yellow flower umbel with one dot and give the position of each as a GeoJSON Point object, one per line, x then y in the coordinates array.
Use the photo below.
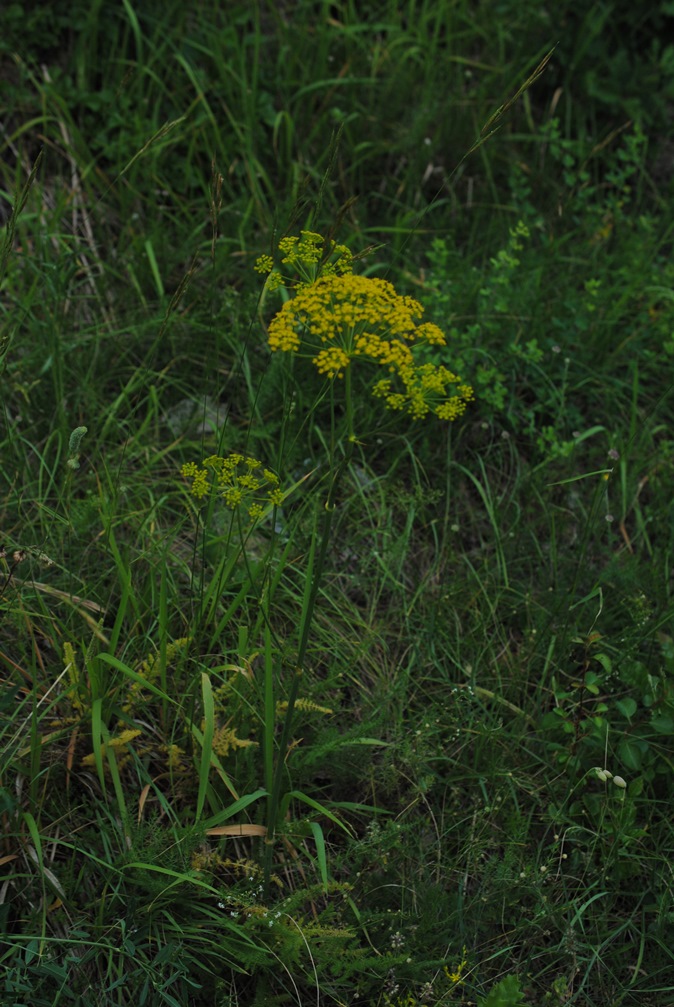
{"type": "Point", "coordinates": [240, 481]}
{"type": "Point", "coordinates": [456, 976]}
{"type": "Point", "coordinates": [339, 317]}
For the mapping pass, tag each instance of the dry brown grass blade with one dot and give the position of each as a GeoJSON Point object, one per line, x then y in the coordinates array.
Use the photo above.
{"type": "Point", "coordinates": [237, 830]}
{"type": "Point", "coordinates": [79, 604]}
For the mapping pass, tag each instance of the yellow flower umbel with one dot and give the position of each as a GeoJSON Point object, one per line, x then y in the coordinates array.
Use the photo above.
{"type": "Point", "coordinates": [456, 976]}
{"type": "Point", "coordinates": [149, 671]}
{"type": "Point", "coordinates": [239, 481]}
{"type": "Point", "coordinates": [310, 256]}
{"type": "Point", "coordinates": [340, 317]}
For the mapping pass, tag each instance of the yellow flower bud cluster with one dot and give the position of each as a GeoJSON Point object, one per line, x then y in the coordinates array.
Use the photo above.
{"type": "Point", "coordinates": [264, 264]}
{"type": "Point", "coordinates": [310, 256]}
{"type": "Point", "coordinates": [149, 670]}
{"type": "Point", "coordinates": [340, 317]}
{"type": "Point", "coordinates": [426, 389]}
{"type": "Point", "coordinates": [239, 480]}
{"type": "Point", "coordinates": [456, 975]}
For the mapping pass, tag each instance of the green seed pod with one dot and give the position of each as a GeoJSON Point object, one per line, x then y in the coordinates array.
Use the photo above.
{"type": "Point", "coordinates": [74, 447]}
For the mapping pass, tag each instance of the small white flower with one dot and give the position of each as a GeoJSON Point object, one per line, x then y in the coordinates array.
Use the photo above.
{"type": "Point", "coordinates": [619, 782]}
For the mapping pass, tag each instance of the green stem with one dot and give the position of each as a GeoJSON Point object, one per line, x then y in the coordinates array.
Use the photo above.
{"type": "Point", "coordinates": [305, 628]}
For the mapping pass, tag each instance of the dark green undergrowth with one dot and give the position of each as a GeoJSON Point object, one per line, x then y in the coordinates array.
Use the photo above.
{"type": "Point", "coordinates": [406, 737]}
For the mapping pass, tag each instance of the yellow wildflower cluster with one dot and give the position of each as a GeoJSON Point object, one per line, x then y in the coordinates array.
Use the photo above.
{"type": "Point", "coordinates": [302, 704]}
{"type": "Point", "coordinates": [341, 317]}
{"type": "Point", "coordinates": [175, 757]}
{"type": "Point", "coordinates": [149, 671]}
{"type": "Point", "coordinates": [212, 861]}
{"type": "Point", "coordinates": [426, 389]}
{"type": "Point", "coordinates": [310, 256]}
{"type": "Point", "coordinates": [118, 744]}
{"type": "Point", "coordinates": [226, 740]}
{"type": "Point", "coordinates": [456, 976]}
{"type": "Point", "coordinates": [239, 481]}
{"type": "Point", "coordinates": [77, 683]}
{"type": "Point", "coordinates": [264, 264]}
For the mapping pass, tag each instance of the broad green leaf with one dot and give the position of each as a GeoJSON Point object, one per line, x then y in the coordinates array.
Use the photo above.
{"type": "Point", "coordinates": [628, 707]}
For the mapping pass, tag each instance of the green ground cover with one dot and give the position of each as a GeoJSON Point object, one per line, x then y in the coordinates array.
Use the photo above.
{"type": "Point", "coordinates": [325, 679]}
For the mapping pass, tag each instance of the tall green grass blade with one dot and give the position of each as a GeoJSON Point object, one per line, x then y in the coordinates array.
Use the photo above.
{"type": "Point", "coordinates": [134, 676]}
{"type": "Point", "coordinates": [321, 854]}
{"type": "Point", "coordinates": [240, 804]}
{"type": "Point", "coordinates": [297, 795]}
{"type": "Point", "coordinates": [206, 742]}
{"type": "Point", "coordinates": [97, 739]}
{"type": "Point", "coordinates": [111, 756]}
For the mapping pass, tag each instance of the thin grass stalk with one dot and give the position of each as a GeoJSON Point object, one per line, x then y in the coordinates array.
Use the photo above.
{"type": "Point", "coordinates": [314, 578]}
{"type": "Point", "coordinates": [163, 637]}
{"type": "Point", "coordinates": [269, 711]}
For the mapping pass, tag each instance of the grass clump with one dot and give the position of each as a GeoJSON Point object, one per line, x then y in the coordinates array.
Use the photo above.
{"type": "Point", "coordinates": [335, 594]}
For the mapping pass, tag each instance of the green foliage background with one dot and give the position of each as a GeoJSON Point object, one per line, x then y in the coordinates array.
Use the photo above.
{"type": "Point", "coordinates": [494, 623]}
